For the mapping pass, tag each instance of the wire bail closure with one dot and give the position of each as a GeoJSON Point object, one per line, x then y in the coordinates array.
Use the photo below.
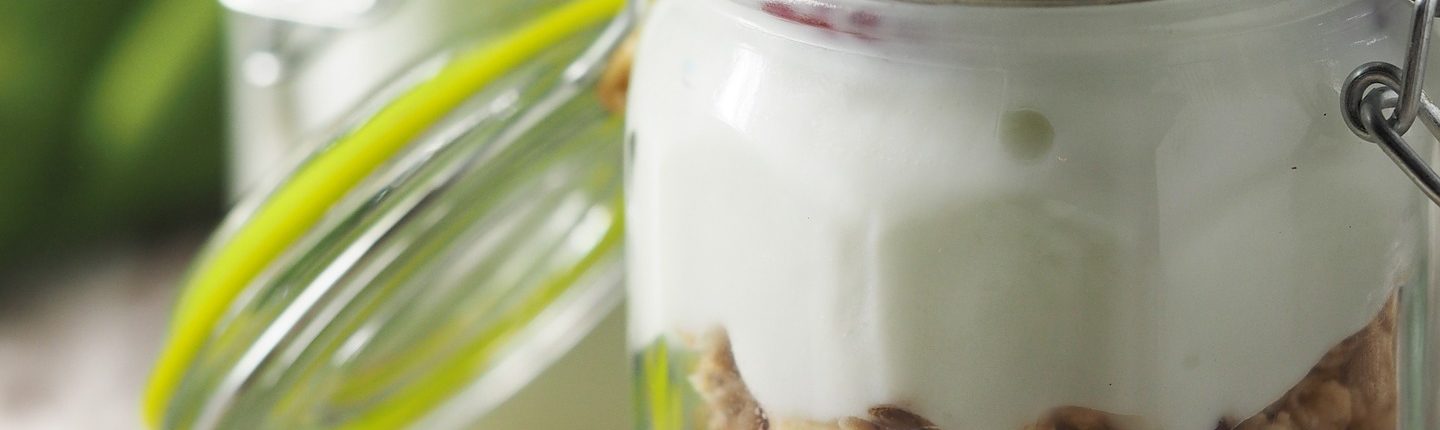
{"type": "Point", "coordinates": [1378, 86]}
{"type": "Point", "coordinates": [1368, 93]}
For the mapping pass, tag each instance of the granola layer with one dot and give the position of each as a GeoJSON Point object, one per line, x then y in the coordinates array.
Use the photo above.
{"type": "Point", "coordinates": [1353, 387]}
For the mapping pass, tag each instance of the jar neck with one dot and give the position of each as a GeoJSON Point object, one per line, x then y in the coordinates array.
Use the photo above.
{"type": "Point", "coordinates": [1020, 3]}
{"type": "Point", "coordinates": [1068, 25]}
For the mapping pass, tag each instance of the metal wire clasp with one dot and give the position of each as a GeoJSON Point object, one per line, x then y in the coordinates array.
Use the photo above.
{"type": "Point", "coordinates": [1376, 87]}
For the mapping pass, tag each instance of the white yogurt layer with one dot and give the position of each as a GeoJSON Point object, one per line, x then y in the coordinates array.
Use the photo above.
{"type": "Point", "coordinates": [1177, 233]}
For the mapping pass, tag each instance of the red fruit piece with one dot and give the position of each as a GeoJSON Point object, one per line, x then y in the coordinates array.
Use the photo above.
{"type": "Point", "coordinates": [788, 13]}
{"type": "Point", "coordinates": [778, 9]}
{"type": "Point", "coordinates": [865, 19]}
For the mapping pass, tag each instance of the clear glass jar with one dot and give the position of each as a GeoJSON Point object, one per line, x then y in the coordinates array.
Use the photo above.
{"type": "Point", "coordinates": [879, 214]}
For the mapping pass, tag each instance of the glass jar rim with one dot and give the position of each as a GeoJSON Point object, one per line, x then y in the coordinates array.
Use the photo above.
{"type": "Point", "coordinates": [1019, 3]}
{"type": "Point", "coordinates": [894, 27]}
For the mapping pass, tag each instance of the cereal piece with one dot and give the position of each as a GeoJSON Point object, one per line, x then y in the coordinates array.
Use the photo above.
{"type": "Point", "coordinates": [614, 85]}
{"type": "Point", "coordinates": [719, 383]}
{"type": "Point", "coordinates": [852, 423]}
{"type": "Point", "coordinates": [792, 424]}
{"type": "Point", "coordinates": [893, 418]}
{"type": "Point", "coordinates": [1078, 418]}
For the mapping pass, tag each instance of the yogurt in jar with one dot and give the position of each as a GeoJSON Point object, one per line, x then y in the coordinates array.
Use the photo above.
{"type": "Point", "coordinates": [983, 213]}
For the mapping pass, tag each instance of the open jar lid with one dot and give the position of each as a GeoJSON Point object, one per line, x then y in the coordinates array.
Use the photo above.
{"type": "Point", "coordinates": [450, 227]}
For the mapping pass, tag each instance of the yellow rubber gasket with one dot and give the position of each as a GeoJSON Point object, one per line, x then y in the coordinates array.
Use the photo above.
{"type": "Point", "coordinates": [300, 203]}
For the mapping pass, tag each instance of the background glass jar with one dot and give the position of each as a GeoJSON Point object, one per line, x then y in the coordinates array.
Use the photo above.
{"type": "Point", "coordinates": [877, 214]}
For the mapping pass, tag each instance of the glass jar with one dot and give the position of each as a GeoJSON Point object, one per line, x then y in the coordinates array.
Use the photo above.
{"type": "Point", "coordinates": [881, 214]}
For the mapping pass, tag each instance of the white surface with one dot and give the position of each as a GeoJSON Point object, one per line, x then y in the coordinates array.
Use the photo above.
{"type": "Point", "coordinates": [77, 351]}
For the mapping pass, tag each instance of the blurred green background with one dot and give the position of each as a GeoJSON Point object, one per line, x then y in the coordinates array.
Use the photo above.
{"type": "Point", "coordinates": [110, 124]}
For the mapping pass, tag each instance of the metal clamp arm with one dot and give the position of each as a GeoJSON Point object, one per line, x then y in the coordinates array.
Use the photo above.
{"type": "Point", "coordinates": [1376, 87]}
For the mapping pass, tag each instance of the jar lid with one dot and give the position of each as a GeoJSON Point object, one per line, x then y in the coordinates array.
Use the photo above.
{"type": "Point", "coordinates": [455, 161]}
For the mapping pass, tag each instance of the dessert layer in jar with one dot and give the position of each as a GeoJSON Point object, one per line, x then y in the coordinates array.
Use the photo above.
{"type": "Point", "coordinates": [1352, 386]}
{"type": "Point", "coordinates": [1166, 222]}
